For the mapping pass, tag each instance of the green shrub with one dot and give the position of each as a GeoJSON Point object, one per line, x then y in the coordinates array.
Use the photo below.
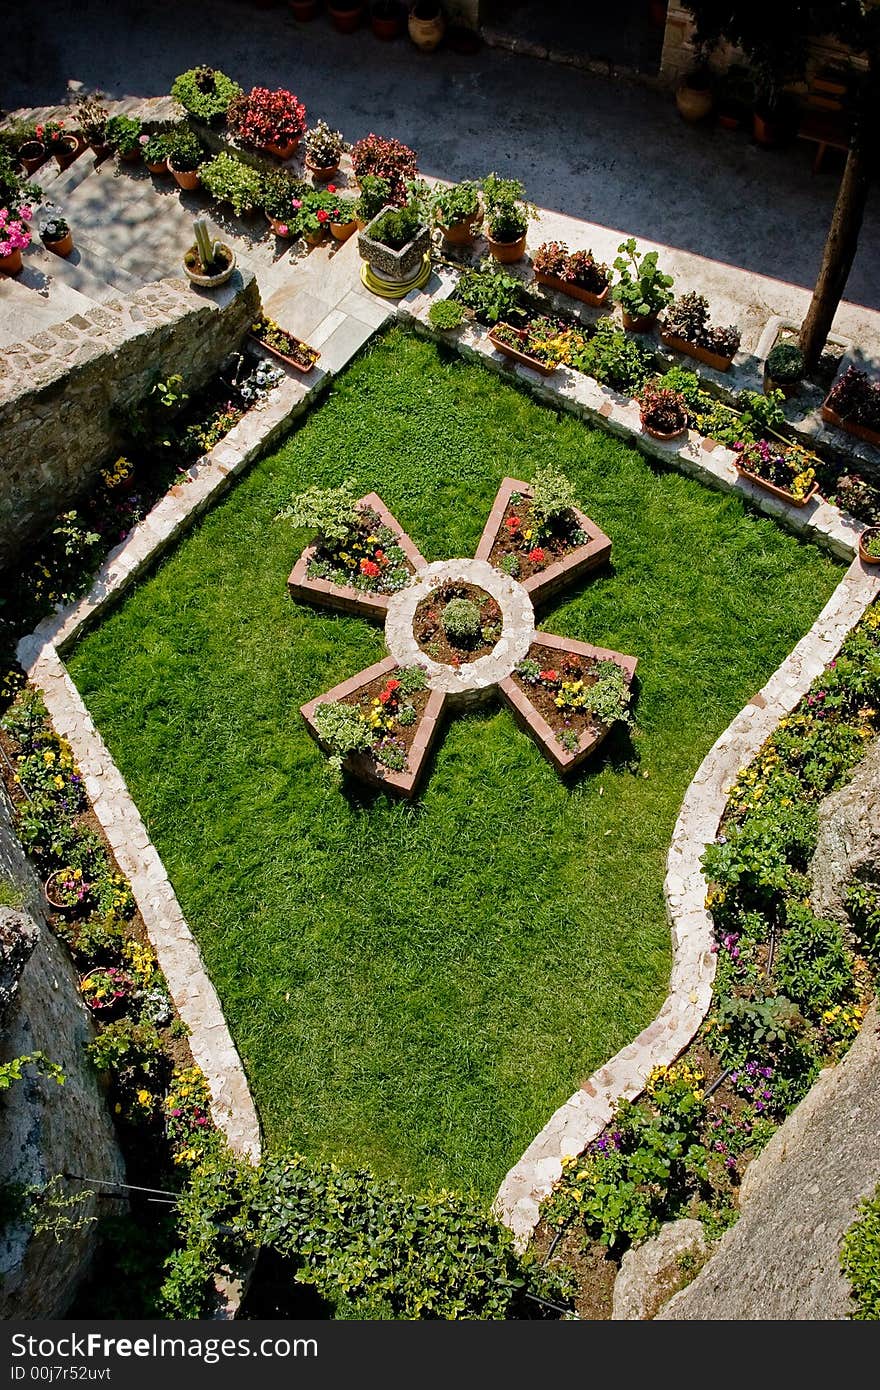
{"type": "Point", "coordinates": [860, 1260]}
{"type": "Point", "coordinates": [156, 149]}
{"type": "Point", "coordinates": [328, 511]}
{"type": "Point", "coordinates": [813, 965]}
{"type": "Point", "coordinates": [396, 228]}
{"type": "Point", "coordinates": [615, 359]}
{"type": "Point", "coordinates": [123, 133]}
{"type": "Point", "coordinates": [446, 313]}
{"type": "Point", "coordinates": [552, 495]}
{"type": "Point", "coordinates": [455, 204]}
{"type": "Point", "coordinates": [608, 698]}
{"type": "Point", "coordinates": [461, 620]}
{"type": "Point", "coordinates": [230, 180]}
{"type": "Point", "coordinates": [411, 678]}
{"type": "Point", "coordinates": [494, 295]}
{"type": "Point", "coordinates": [205, 92]}
{"type": "Point", "coordinates": [375, 195]}
{"type": "Point", "coordinates": [343, 730]}
{"type": "Point", "coordinates": [185, 150]}
{"type": "Point", "coordinates": [785, 363]}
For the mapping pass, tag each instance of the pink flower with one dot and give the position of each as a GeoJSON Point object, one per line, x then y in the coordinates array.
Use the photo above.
{"type": "Point", "coordinates": [283, 229]}
{"type": "Point", "coordinates": [143, 140]}
{"type": "Point", "coordinates": [297, 203]}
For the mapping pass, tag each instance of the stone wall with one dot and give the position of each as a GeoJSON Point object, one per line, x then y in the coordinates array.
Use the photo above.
{"type": "Point", "coordinates": [46, 1128]}
{"type": "Point", "coordinates": [61, 394]}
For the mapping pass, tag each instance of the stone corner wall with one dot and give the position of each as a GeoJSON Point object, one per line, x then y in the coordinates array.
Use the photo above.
{"type": "Point", "coordinates": [63, 394]}
{"type": "Point", "coordinates": [46, 1128]}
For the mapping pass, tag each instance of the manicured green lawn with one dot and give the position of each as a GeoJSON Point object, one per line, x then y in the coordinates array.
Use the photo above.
{"type": "Point", "coordinates": [418, 987]}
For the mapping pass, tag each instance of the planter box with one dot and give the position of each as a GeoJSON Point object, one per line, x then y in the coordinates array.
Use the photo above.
{"type": "Point", "coordinates": [533, 723]}
{"type": "Point", "coordinates": [573, 291]}
{"type": "Point", "coordinates": [344, 596]}
{"type": "Point", "coordinates": [699, 354]}
{"type": "Point", "coordinates": [780, 492]}
{"type": "Point", "coordinates": [517, 355]}
{"type": "Point", "coordinates": [360, 765]}
{"type": "Point", "coordinates": [831, 417]}
{"type": "Point", "coordinates": [394, 266]}
{"type": "Point", "coordinates": [283, 357]}
{"type": "Point", "coordinates": [544, 584]}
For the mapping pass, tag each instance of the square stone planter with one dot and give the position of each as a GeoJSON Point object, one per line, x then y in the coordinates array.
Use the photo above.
{"type": "Point", "coordinates": [397, 267]}
{"type": "Point", "coordinates": [533, 723]}
{"type": "Point", "coordinates": [345, 596]}
{"type": "Point", "coordinates": [360, 765]}
{"type": "Point", "coordinates": [542, 586]}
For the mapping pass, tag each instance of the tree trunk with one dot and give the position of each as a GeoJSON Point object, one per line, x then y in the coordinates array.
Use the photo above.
{"type": "Point", "coordinates": [839, 254]}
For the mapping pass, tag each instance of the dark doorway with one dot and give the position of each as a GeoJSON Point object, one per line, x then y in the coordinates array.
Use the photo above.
{"type": "Point", "coordinates": [626, 34]}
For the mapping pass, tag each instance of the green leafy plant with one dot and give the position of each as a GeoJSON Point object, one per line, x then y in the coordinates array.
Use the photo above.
{"type": "Point", "coordinates": [642, 289]}
{"type": "Point", "coordinates": [205, 92]}
{"type": "Point", "coordinates": [615, 358]}
{"type": "Point", "coordinates": [343, 729]}
{"type": "Point", "coordinates": [553, 494]}
{"type": "Point", "coordinates": [123, 133]}
{"type": "Point", "coordinates": [494, 294]}
{"type": "Point", "coordinates": [328, 511]}
{"type": "Point", "coordinates": [230, 180]}
{"type": "Point", "coordinates": [814, 967]}
{"type": "Point", "coordinates": [185, 150]}
{"type": "Point", "coordinates": [446, 313]}
{"type": "Point", "coordinates": [785, 364]}
{"type": "Point", "coordinates": [412, 679]}
{"type": "Point", "coordinates": [860, 1260]}
{"type": "Point", "coordinates": [395, 228]}
{"type": "Point", "coordinates": [507, 214]}
{"type": "Point", "coordinates": [13, 1071]}
{"type": "Point", "coordinates": [157, 149]}
{"type": "Point", "coordinates": [375, 194]}
{"type": "Point", "coordinates": [461, 620]}
{"type": "Point", "coordinates": [459, 203]}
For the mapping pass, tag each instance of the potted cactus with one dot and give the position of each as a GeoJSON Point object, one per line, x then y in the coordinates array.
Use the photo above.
{"type": "Point", "coordinates": [208, 263]}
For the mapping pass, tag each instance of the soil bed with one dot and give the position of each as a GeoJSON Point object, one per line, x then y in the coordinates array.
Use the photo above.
{"type": "Point", "coordinates": [372, 560]}
{"type": "Point", "coordinates": [518, 536]}
{"type": "Point", "coordinates": [566, 666]}
{"type": "Point", "coordinates": [428, 626]}
{"type": "Point", "coordinates": [384, 696]}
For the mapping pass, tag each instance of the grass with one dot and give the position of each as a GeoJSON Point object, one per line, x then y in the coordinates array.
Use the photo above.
{"type": "Point", "coordinates": [419, 987]}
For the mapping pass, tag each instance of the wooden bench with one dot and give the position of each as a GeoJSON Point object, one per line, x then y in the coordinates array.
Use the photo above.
{"type": "Point", "coordinates": [825, 120]}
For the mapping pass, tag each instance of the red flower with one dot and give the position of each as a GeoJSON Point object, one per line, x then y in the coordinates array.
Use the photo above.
{"type": "Point", "coordinates": [370, 569]}
{"type": "Point", "coordinates": [322, 215]}
{"type": "Point", "coordinates": [513, 523]}
{"type": "Point", "coordinates": [537, 556]}
{"type": "Point", "coordinates": [392, 685]}
{"type": "Point", "coordinates": [380, 556]}
{"type": "Point", "coordinates": [550, 676]}
{"type": "Point", "coordinates": [331, 188]}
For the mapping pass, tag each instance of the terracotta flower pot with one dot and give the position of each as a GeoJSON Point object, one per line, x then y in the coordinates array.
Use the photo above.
{"type": "Point", "coordinates": [62, 247]}
{"type": "Point", "coordinates": [787, 388]}
{"type": "Point", "coordinates": [765, 130]}
{"type": "Point", "coordinates": [664, 435]}
{"type": "Point", "coordinates": [426, 34]}
{"type": "Point", "coordinates": [159, 166]}
{"type": "Point", "coordinates": [869, 534]}
{"type": "Point", "coordinates": [694, 103]}
{"type": "Point", "coordinates": [66, 151]}
{"type": "Point", "coordinates": [343, 230]}
{"type": "Point", "coordinates": [54, 901]}
{"type": "Point", "coordinates": [279, 227]}
{"type": "Point", "coordinates": [185, 178]}
{"type": "Point", "coordinates": [282, 149]}
{"type": "Point", "coordinates": [460, 233]}
{"type": "Point", "coordinates": [322, 173]}
{"type": "Point", "coordinates": [387, 27]}
{"type": "Point", "coordinates": [507, 251]}
{"type": "Point", "coordinates": [314, 238]}
{"type": "Point", "coordinates": [640, 323]}
{"type": "Point", "coordinates": [780, 492]}
{"type": "Point", "coordinates": [831, 417]}
{"type": "Point", "coordinates": [303, 10]}
{"type": "Point", "coordinates": [699, 354]}
{"type": "Point", "coordinates": [130, 156]}
{"type": "Point", "coordinates": [12, 264]}
{"type": "Point", "coordinates": [100, 150]}
{"type": "Point", "coordinates": [345, 18]}
{"type": "Point", "coordinates": [517, 354]}
{"type": "Point", "coordinates": [32, 154]}
{"type": "Point", "coordinates": [573, 290]}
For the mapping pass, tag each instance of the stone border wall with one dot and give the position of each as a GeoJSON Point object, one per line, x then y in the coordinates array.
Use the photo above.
{"type": "Point", "coordinates": [64, 394]}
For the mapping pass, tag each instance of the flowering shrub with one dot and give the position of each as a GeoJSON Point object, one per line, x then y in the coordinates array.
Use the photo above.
{"type": "Point", "coordinates": [577, 268]}
{"type": "Point", "coordinates": [786, 466]}
{"type": "Point", "coordinates": [266, 117]}
{"type": "Point", "coordinates": [323, 145]}
{"type": "Point", "coordinates": [385, 159]}
{"type": "Point", "coordinates": [14, 234]}
{"type": "Point", "coordinates": [856, 397]}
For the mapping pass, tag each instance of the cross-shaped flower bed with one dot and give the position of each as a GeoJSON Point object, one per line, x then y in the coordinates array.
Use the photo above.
{"type": "Point", "coordinates": [458, 632]}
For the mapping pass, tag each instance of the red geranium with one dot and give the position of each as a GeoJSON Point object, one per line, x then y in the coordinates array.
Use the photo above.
{"type": "Point", "coordinates": [513, 523]}
{"type": "Point", "coordinates": [537, 556]}
{"type": "Point", "coordinates": [550, 676]}
{"type": "Point", "coordinates": [321, 215]}
{"type": "Point", "coordinates": [370, 569]}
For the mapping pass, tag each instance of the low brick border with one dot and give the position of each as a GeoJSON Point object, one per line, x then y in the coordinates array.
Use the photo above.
{"type": "Point", "coordinates": [533, 723]}
{"type": "Point", "coordinates": [543, 586]}
{"type": "Point", "coordinates": [40, 654]}
{"type": "Point", "coordinates": [585, 1114]}
{"type": "Point", "coordinates": [344, 596]}
{"type": "Point", "coordinates": [367, 769]}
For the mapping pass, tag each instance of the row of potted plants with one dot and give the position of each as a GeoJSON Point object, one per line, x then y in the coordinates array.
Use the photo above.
{"type": "Point", "coordinates": [424, 20]}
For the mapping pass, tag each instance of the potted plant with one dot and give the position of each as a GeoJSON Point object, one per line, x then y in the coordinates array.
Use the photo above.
{"type": "Point", "coordinates": [577, 273]}
{"type": "Point", "coordinates": [426, 24]}
{"type": "Point", "coordinates": [123, 134]}
{"type": "Point", "coordinates": [55, 234]}
{"type": "Point", "coordinates": [345, 15]}
{"type": "Point", "coordinates": [32, 152]}
{"type": "Point", "coordinates": [458, 212]}
{"type": "Point", "coordinates": [736, 97]}
{"type": "Point", "coordinates": [535, 344]}
{"type": "Point", "coordinates": [374, 196]}
{"type": "Point", "coordinates": [395, 244]}
{"type": "Point", "coordinates": [312, 211]}
{"type": "Point", "coordinates": [205, 93]}
{"type": "Point", "coordinates": [783, 369]}
{"type": "Point", "coordinates": [642, 289]}
{"type": "Point", "coordinates": [280, 192]}
{"type": "Point", "coordinates": [92, 118]}
{"type": "Point", "coordinates": [15, 235]}
{"type": "Point", "coordinates": [787, 471]}
{"type": "Point", "coordinates": [68, 892]}
{"type": "Point", "coordinates": [507, 218]}
{"type": "Point", "coordinates": [663, 413]}
{"type": "Point", "coordinates": [694, 95]}
{"type": "Point", "coordinates": [155, 154]}
{"type": "Point", "coordinates": [687, 328]}
{"type": "Point", "coordinates": [290, 349]}
{"type": "Point", "coordinates": [386, 18]}
{"type": "Point", "coordinates": [323, 150]}
{"type": "Point", "coordinates": [231, 181]}
{"type": "Point", "coordinates": [303, 10]}
{"type": "Point", "coordinates": [869, 545]}
{"type": "Point", "coordinates": [853, 404]}
{"type": "Point", "coordinates": [446, 315]}
{"type": "Point", "coordinates": [59, 141]}
{"type": "Point", "coordinates": [270, 120]}
{"type": "Point", "coordinates": [105, 988]}
{"type": "Point", "coordinates": [208, 263]}
{"type": "Point", "coordinates": [385, 159]}
{"type": "Point", "coordinates": [343, 217]}
{"type": "Point", "coordinates": [185, 155]}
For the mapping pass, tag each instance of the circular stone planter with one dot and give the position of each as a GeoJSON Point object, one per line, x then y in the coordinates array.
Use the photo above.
{"type": "Point", "coordinates": [473, 681]}
{"type": "Point", "coordinates": [209, 282]}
